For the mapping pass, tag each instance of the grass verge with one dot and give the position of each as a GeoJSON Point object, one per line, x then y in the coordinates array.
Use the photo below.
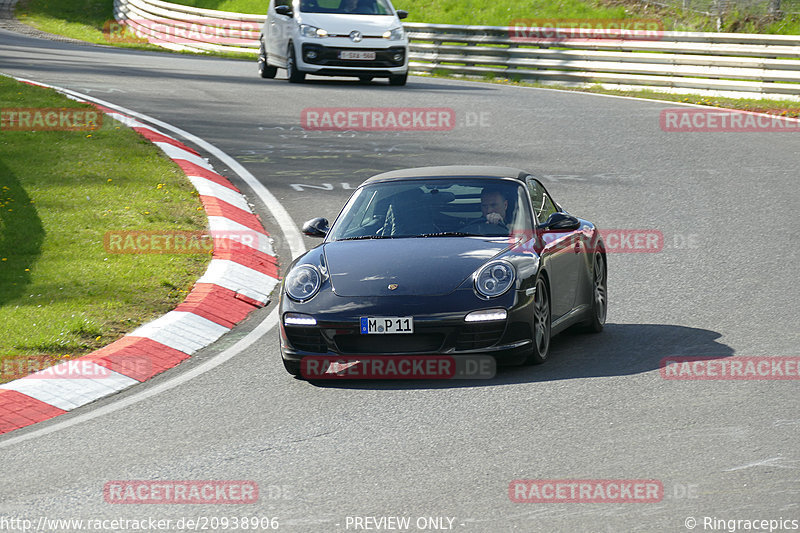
{"type": "Point", "coordinates": [61, 294]}
{"type": "Point", "coordinates": [504, 12]}
{"type": "Point", "coordinates": [79, 19]}
{"type": "Point", "coordinates": [783, 108]}
{"type": "Point", "coordinates": [91, 21]}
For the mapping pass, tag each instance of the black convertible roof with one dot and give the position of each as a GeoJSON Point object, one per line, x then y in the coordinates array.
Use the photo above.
{"type": "Point", "coordinates": [455, 171]}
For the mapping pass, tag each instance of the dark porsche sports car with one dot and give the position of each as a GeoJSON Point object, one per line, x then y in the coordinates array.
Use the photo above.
{"type": "Point", "coordinates": [454, 261]}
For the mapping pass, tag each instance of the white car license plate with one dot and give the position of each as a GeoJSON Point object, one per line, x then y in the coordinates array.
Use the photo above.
{"type": "Point", "coordinates": [366, 56]}
{"type": "Point", "coordinates": [379, 325]}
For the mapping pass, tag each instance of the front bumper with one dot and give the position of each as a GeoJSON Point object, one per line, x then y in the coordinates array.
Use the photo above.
{"type": "Point", "coordinates": [324, 60]}
{"type": "Point", "coordinates": [439, 327]}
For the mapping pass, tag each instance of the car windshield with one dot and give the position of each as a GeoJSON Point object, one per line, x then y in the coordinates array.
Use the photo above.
{"type": "Point", "coordinates": [434, 208]}
{"type": "Point", "coordinates": [350, 7]}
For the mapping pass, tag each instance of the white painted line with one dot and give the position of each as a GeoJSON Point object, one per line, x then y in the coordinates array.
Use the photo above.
{"type": "Point", "coordinates": [131, 123]}
{"type": "Point", "coordinates": [220, 226]}
{"type": "Point", "coordinates": [69, 393]}
{"type": "Point", "coordinates": [207, 187]}
{"type": "Point", "coordinates": [75, 98]}
{"type": "Point", "coordinates": [239, 278]}
{"type": "Point", "coordinates": [173, 152]}
{"type": "Point", "coordinates": [254, 295]}
{"type": "Point", "coordinates": [185, 332]}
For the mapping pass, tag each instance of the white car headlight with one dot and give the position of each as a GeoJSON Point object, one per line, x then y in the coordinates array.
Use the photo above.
{"type": "Point", "coordinates": [302, 283]}
{"type": "Point", "coordinates": [395, 34]}
{"type": "Point", "coordinates": [312, 31]}
{"type": "Point", "coordinates": [494, 279]}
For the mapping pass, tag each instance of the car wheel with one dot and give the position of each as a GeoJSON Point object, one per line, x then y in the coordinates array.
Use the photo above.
{"type": "Point", "coordinates": [365, 79]}
{"type": "Point", "coordinates": [292, 367]}
{"type": "Point", "coordinates": [599, 295]}
{"type": "Point", "coordinates": [541, 325]}
{"type": "Point", "coordinates": [295, 76]}
{"type": "Point", "coordinates": [265, 70]}
{"type": "Point", "coordinates": [398, 80]}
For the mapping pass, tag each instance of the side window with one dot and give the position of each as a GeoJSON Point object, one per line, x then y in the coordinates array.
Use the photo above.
{"type": "Point", "coordinates": [543, 206]}
{"type": "Point", "coordinates": [287, 3]}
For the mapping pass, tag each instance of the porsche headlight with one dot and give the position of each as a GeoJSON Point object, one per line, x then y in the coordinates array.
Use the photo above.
{"type": "Point", "coordinates": [494, 279]}
{"type": "Point", "coordinates": [395, 34]}
{"type": "Point", "coordinates": [312, 31]}
{"type": "Point", "coordinates": [303, 283]}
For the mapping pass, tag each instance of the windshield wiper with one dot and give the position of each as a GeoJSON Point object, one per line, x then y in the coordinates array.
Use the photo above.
{"type": "Point", "coordinates": [364, 237]}
{"type": "Point", "coordinates": [449, 234]}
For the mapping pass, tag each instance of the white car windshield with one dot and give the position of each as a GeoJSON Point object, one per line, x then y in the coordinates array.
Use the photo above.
{"type": "Point", "coordinates": [435, 208]}
{"type": "Point", "coordinates": [349, 7]}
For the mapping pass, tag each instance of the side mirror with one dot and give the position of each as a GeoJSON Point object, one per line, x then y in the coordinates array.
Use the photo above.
{"type": "Point", "coordinates": [316, 227]}
{"type": "Point", "coordinates": [402, 14]}
{"type": "Point", "coordinates": [283, 10]}
{"type": "Point", "coordinates": [561, 222]}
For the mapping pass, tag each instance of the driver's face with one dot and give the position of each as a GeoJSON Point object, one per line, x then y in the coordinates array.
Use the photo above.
{"type": "Point", "coordinates": [493, 203]}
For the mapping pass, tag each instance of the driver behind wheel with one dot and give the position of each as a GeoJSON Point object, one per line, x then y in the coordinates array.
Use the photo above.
{"type": "Point", "coordinates": [494, 206]}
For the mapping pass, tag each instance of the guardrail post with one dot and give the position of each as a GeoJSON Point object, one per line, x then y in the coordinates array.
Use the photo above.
{"type": "Point", "coordinates": [775, 9]}
{"type": "Point", "coordinates": [719, 8]}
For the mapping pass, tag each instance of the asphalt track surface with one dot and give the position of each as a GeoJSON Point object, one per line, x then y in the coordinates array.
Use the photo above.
{"type": "Point", "coordinates": [725, 284]}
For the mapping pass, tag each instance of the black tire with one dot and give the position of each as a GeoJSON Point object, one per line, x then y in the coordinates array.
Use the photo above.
{"type": "Point", "coordinates": [398, 80]}
{"type": "Point", "coordinates": [295, 76]}
{"type": "Point", "coordinates": [365, 79]}
{"type": "Point", "coordinates": [599, 295]}
{"type": "Point", "coordinates": [292, 367]}
{"type": "Point", "coordinates": [541, 325]}
{"type": "Point", "coordinates": [265, 70]}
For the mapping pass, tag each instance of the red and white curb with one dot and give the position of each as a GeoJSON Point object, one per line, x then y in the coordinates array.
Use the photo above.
{"type": "Point", "coordinates": [237, 281]}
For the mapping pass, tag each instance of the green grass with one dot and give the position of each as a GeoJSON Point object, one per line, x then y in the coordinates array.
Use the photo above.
{"type": "Point", "coordinates": [504, 12]}
{"type": "Point", "coordinates": [80, 19]}
{"type": "Point", "coordinates": [91, 21]}
{"type": "Point", "coordinates": [85, 19]}
{"type": "Point", "coordinates": [61, 293]}
{"type": "Point", "coordinates": [258, 7]}
{"type": "Point", "coordinates": [783, 108]}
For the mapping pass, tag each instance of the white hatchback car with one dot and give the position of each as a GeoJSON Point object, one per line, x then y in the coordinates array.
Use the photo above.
{"type": "Point", "coordinates": [362, 38]}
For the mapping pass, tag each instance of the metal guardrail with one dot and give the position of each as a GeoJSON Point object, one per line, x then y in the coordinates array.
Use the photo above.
{"type": "Point", "coordinates": [734, 63]}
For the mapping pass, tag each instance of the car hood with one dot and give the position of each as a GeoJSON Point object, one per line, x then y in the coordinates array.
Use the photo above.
{"type": "Point", "coordinates": [426, 266]}
{"type": "Point", "coordinates": [342, 24]}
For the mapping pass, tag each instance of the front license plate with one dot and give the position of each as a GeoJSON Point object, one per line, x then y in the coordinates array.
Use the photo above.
{"type": "Point", "coordinates": [380, 325]}
{"type": "Point", "coordinates": [366, 56]}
